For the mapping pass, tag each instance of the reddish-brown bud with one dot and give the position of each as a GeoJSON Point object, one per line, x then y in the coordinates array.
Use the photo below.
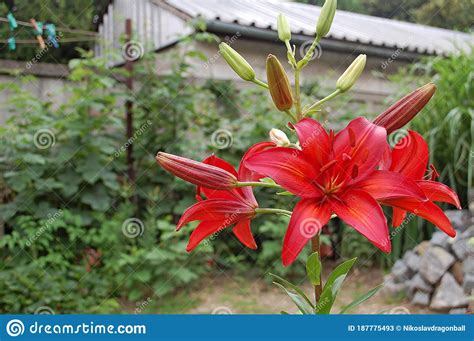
{"type": "Point", "coordinates": [278, 84]}
{"type": "Point", "coordinates": [196, 172]}
{"type": "Point", "coordinates": [405, 109]}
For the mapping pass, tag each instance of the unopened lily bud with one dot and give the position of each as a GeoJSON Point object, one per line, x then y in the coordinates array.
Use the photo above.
{"type": "Point", "coordinates": [326, 17]}
{"type": "Point", "coordinates": [278, 84]}
{"type": "Point", "coordinates": [279, 138]}
{"type": "Point", "coordinates": [353, 72]}
{"type": "Point", "coordinates": [195, 172]}
{"type": "Point", "coordinates": [405, 109]}
{"type": "Point", "coordinates": [284, 33]}
{"type": "Point", "coordinates": [237, 62]}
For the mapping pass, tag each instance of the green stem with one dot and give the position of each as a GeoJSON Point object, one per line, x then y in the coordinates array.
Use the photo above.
{"type": "Point", "coordinates": [259, 82]}
{"type": "Point", "coordinates": [291, 115]}
{"type": "Point", "coordinates": [258, 184]}
{"type": "Point", "coordinates": [315, 246]}
{"type": "Point", "coordinates": [298, 94]}
{"type": "Point", "coordinates": [316, 105]}
{"type": "Point", "coordinates": [273, 211]}
{"type": "Point", "coordinates": [291, 56]}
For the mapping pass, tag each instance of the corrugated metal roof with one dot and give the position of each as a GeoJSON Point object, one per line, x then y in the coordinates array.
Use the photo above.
{"type": "Point", "coordinates": [347, 26]}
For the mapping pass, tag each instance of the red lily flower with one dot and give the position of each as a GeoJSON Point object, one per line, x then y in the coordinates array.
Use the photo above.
{"type": "Point", "coordinates": [326, 174]}
{"type": "Point", "coordinates": [410, 158]}
{"type": "Point", "coordinates": [223, 208]}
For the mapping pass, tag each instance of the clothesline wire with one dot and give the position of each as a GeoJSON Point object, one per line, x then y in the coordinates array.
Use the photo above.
{"type": "Point", "coordinates": [62, 29]}
{"type": "Point", "coordinates": [35, 42]}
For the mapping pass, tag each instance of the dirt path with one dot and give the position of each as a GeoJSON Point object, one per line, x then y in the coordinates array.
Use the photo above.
{"type": "Point", "coordinates": [227, 294]}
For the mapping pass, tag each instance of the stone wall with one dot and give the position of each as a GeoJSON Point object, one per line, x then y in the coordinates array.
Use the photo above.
{"type": "Point", "coordinates": [439, 273]}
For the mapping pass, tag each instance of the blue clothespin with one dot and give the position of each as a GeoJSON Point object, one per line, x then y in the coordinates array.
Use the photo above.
{"type": "Point", "coordinates": [12, 44]}
{"type": "Point", "coordinates": [11, 21]}
{"type": "Point", "coordinates": [51, 32]}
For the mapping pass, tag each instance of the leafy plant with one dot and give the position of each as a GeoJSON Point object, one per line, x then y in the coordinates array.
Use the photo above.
{"type": "Point", "coordinates": [325, 300]}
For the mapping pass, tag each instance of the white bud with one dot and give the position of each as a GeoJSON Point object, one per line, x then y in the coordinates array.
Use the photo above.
{"type": "Point", "coordinates": [279, 138]}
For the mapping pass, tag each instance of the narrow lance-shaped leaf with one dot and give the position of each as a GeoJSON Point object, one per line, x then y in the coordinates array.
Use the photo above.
{"type": "Point", "coordinates": [361, 299]}
{"type": "Point", "coordinates": [332, 286]}
{"type": "Point", "coordinates": [302, 305]}
{"type": "Point", "coordinates": [292, 286]}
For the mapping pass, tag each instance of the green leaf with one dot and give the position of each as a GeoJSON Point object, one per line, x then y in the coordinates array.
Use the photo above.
{"type": "Point", "coordinates": [361, 299]}
{"type": "Point", "coordinates": [332, 286]}
{"type": "Point", "coordinates": [302, 305]}
{"type": "Point", "coordinates": [341, 270]}
{"type": "Point", "coordinates": [295, 288]}
{"type": "Point", "coordinates": [313, 268]}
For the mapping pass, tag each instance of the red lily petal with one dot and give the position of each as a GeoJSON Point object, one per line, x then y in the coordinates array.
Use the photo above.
{"type": "Point", "coordinates": [216, 209]}
{"type": "Point", "coordinates": [210, 193]}
{"type": "Point", "coordinates": [202, 231]}
{"type": "Point", "coordinates": [307, 219]}
{"type": "Point", "coordinates": [427, 210]}
{"type": "Point", "coordinates": [410, 156]}
{"type": "Point", "coordinates": [356, 140]}
{"type": "Point", "coordinates": [388, 185]}
{"type": "Point", "coordinates": [244, 234]}
{"type": "Point", "coordinates": [288, 169]}
{"type": "Point", "coordinates": [245, 174]}
{"type": "Point", "coordinates": [436, 191]}
{"type": "Point", "coordinates": [218, 162]}
{"type": "Point", "coordinates": [314, 140]}
{"type": "Point", "coordinates": [386, 160]}
{"type": "Point", "coordinates": [398, 216]}
{"type": "Point", "coordinates": [359, 210]}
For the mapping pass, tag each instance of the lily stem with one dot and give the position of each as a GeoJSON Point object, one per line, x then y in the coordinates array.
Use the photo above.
{"type": "Point", "coordinates": [259, 82]}
{"type": "Point", "coordinates": [273, 211]}
{"type": "Point", "coordinates": [316, 105]}
{"type": "Point", "coordinates": [315, 246]}
{"type": "Point", "coordinates": [258, 184]}
{"type": "Point", "coordinates": [298, 94]}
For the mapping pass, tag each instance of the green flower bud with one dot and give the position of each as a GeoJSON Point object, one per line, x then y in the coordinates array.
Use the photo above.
{"type": "Point", "coordinates": [284, 32]}
{"type": "Point", "coordinates": [353, 72]}
{"type": "Point", "coordinates": [325, 18]}
{"type": "Point", "coordinates": [237, 62]}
